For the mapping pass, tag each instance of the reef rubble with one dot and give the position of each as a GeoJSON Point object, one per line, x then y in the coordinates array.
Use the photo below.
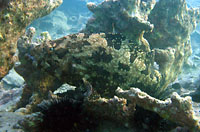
{"type": "Point", "coordinates": [15, 16]}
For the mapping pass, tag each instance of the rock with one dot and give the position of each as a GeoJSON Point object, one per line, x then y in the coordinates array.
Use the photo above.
{"type": "Point", "coordinates": [9, 98]}
{"type": "Point", "coordinates": [109, 60]}
{"type": "Point", "coordinates": [115, 109]}
{"type": "Point", "coordinates": [176, 108]}
{"type": "Point", "coordinates": [176, 86]}
{"type": "Point", "coordinates": [64, 88]}
{"type": "Point", "coordinates": [167, 22]}
{"type": "Point", "coordinates": [15, 16]}
{"type": "Point", "coordinates": [180, 129]}
{"type": "Point", "coordinates": [93, 57]}
{"type": "Point", "coordinates": [9, 120]}
{"type": "Point", "coordinates": [135, 57]}
{"type": "Point", "coordinates": [119, 16]}
{"type": "Point", "coordinates": [196, 95]}
{"type": "Point", "coordinates": [12, 80]}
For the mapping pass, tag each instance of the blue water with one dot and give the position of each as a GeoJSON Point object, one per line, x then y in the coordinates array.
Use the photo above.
{"type": "Point", "coordinates": [69, 18]}
{"type": "Point", "coordinates": [193, 3]}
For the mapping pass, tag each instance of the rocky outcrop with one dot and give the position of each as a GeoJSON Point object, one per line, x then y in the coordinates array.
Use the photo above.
{"type": "Point", "coordinates": [176, 108]}
{"type": "Point", "coordinates": [166, 27]}
{"type": "Point", "coordinates": [11, 80]}
{"type": "Point", "coordinates": [108, 60]}
{"type": "Point", "coordinates": [105, 60]}
{"type": "Point", "coordinates": [126, 55]}
{"type": "Point", "coordinates": [15, 16]}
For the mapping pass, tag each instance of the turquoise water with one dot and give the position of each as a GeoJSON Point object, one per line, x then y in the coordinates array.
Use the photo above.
{"type": "Point", "coordinates": [69, 18]}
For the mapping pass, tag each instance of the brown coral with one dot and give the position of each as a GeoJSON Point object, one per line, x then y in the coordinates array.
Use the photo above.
{"type": "Point", "coordinates": [13, 21]}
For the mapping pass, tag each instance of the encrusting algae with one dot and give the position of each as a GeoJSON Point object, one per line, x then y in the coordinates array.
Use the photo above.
{"type": "Point", "coordinates": [15, 16]}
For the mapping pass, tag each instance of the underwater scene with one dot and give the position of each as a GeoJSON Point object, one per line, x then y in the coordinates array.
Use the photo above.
{"type": "Point", "coordinates": [99, 65]}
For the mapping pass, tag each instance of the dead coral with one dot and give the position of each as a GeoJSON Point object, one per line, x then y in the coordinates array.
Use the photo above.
{"type": "Point", "coordinates": [176, 108]}
{"type": "Point", "coordinates": [170, 36]}
{"type": "Point", "coordinates": [14, 18]}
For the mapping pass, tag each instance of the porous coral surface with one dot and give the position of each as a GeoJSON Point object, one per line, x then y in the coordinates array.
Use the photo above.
{"type": "Point", "coordinates": [163, 26]}
{"type": "Point", "coordinates": [15, 16]}
{"type": "Point", "coordinates": [176, 108]}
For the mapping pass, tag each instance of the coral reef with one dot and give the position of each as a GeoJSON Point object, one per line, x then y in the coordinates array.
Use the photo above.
{"type": "Point", "coordinates": [56, 111]}
{"type": "Point", "coordinates": [65, 114]}
{"type": "Point", "coordinates": [126, 17]}
{"type": "Point", "coordinates": [176, 24]}
{"type": "Point", "coordinates": [15, 16]}
{"type": "Point", "coordinates": [49, 71]}
{"type": "Point", "coordinates": [112, 59]}
{"type": "Point", "coordinates": [105, 60]}
{"type": "Point", "coordinates": [176, 108]}
{"type": "Point", "coordinates": [95, 57]}
{"type": "Point", "coordinates": [88, 113]}
{"type": "Point", "coordinates": [115, 109]}
{"type": "Point", "coordinates": [188, 80]}
{"type": "Point", "coordinates": [187, 84]}
{"type": "Point", "coordinates": [168, 21]}
{"type": "Point", "coordinates": [76, 112]}
{"type": "Point", "coordinates": [144, 44]}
